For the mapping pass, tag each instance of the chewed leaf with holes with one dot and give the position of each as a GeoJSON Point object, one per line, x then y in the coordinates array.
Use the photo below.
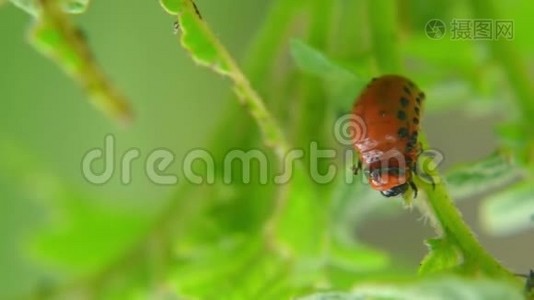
{"type": "Point", "coordinates": [70, 6]}
{"type": "Point", "coordinates": [196, 37]}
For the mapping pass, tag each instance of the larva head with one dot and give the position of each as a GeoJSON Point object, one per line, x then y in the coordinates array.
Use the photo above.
{"type": "Point", "coordinates": [391, 180]}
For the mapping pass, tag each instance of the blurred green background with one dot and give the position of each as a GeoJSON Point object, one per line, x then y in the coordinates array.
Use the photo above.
{"type": "Point", "coordinates": [56, 229]}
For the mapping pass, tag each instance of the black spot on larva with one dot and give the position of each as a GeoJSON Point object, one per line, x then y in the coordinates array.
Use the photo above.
{"type": "Point", "coordinates": [416, 110]}
{"type": "Point", "coordinates": [402, 132]}
{"type": "Point", "coordinates": [407, 90]}
{"type": "Point", "coordinates": [421, 95]}
{"type": "Point", "coordinates": [412, 141]}
{"type": "Point", "coordinates": [415, 121]}
{"type": "Point", "coordinates": [401, 115]}
{"type": "Point", "coordinates": [411, 84]}
{"type": "Point", "coordinates": [404, 101]}
{"type": "Point", "coordinates": [418, 99]}
{"type": "Point", "coordinates": [373, 79]}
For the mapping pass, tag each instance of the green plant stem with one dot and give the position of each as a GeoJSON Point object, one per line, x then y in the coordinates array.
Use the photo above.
{"type": "Point", "coordinates": [455, 229]}
{"type": "Point", "coordinates": [351, 40]}
{"type": "Point", "coordinates": [322, 12]}
{"type": "Point", "coordinates": [313, 107]}
{"type": "Point", "coordinates": [55, 36]}
{"type": "Point", "coordinates": [384, 39]}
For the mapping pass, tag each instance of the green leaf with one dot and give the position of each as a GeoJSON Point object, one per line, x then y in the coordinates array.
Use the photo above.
{"type": "Point", "coordinates": [357, 258]}
{"type": "Point", "coordinates": [342, 85]}
{"type": "Point", "coordinates": [236, 266]}
{"type": "Point", "coordinates": [75, 6]}
{"type": "Point", "coordinates": [76, 235]}
{"type": "Point", "coordinates": [197, 38]}
{"type": "Point", "coordinates": [446, 288]}
{"type": "Point", "coordinates": [301, 225]}
{"type": "Point", "coordinates": [333, 296]}
{"type": "Point", "coordinates": [314, 62]}
{"type": "Point", "coordinates": [80, 239]}
{"type": "Point", "coordinates": [443, 256]}
{"type": "Point", "coordinates": [510, 211]}
{"type": "Point", "coordinates": [69, 6]}
{"type": "Point", "coordinates": [491, 172]}
{"type": "Point", "coordinates": [213, 264]}
{"type": "Point", "coordinates": [171, 6]}
{"type": "Point", "coordinates": [29, 6]}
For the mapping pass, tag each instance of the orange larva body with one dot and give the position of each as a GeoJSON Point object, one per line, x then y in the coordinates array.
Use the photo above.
{"type": "Point", "coordinates": [388, 111]}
